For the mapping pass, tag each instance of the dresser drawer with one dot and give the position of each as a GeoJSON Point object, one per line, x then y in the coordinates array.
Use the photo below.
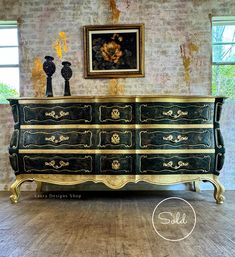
{"type": "Point", "coordinates": [175, 113]}
{"type": "Point", "coordinates": [175, 164]}
{"type": "Point", "coordinates": [57, 163]}
{"type": "Point", "coordinates": [175, 138]}
{"type": "Point", "coordinates": [58, 114]}
{"type": "Point", "coordinates": [115, 113]}
{"type": "Point", "coordinates": [62, 138]}
{"type": "Point", "coordinates": [115, 164]}
{"type": "Point", "coordinates": [116, 139]}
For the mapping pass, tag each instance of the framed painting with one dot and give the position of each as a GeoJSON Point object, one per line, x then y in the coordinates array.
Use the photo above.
{"type": "Point", "coordinates": [112, 51]}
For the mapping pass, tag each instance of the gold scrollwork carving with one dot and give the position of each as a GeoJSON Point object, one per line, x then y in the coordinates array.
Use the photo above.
{"type": "Point", "coordinates": [56, 166]}
{"type": "Point", "coordinates": [116, 165]}
{"type": "Point", "coordinates": [57, 116]}
{"type": "Point", "coordinates": [115, 114]}
{"type": "Point", "coordinates": [55, 140]}
{"type": "Point", "coordinates": [115, 139]}
{"type": "Point", "coordinates": [176, 167]}
{"type": "Point", "coordinates": [176, 115]}
{"type": "Point", "coordinates": [178, 139]}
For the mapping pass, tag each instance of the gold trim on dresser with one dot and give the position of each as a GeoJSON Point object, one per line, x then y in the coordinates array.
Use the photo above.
{"type": "Point", "coordinates": [116, 181]}
{"type": "Point", "coordinates": [117, 126]}
{"type": "Point", "coordinates": [112, 151]}
{"type": "Point", "coordinates": [119, 99]}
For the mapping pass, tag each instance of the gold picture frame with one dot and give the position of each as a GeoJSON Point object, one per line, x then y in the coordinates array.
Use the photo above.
{"type": "Point", "coordinates": [114, 51]}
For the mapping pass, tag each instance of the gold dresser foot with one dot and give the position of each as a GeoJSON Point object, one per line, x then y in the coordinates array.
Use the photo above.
{"type": "Point", "coordinates": [15, 188]}
{"type": "Point", "coordinates": [218, 190]}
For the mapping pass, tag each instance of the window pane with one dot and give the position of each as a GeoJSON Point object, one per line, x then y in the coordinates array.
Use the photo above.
{"type": "Point", "coordinates": [9, 55]}
{"type": "Point", "coordinates": [10, 76]}
{"type": "Point", "coordinates": [223, 34]}
{"type": "Point", "coordinates": [8, 37]}
{"type": "Point", "coordinates": [224, 53]}
{"type": "Point", "coordinates": [217, 33]}
{"type": "Point", "coordinates": [223, 80]}
{"type": "Point", "coordinates": [229, 34]}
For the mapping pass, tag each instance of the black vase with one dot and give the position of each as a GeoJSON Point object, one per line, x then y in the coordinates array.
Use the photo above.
{"type": "Point", "coordinates": [49, 68]}
{"type": "Point", "coordinates": [66, 73]}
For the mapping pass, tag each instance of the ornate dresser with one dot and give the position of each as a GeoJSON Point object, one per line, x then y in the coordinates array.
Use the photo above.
{"type": "Point", "coordinates": [116, 140]}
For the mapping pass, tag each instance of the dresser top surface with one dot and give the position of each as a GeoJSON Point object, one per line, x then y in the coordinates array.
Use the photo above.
{"type": "Point", "coordinates": [123, 98]}
{"type": "Point", "coordinates": [119, 97]}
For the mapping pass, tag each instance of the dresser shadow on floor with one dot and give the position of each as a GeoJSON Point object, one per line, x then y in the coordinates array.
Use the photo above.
{"type": "Point", "coordinates": [116, 195]}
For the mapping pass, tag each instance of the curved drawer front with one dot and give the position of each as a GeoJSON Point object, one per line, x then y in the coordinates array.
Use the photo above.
{"type": "Point", "coordinates": [116, 139]}
{"type": "Point", "coordinates": [115, 164]}
{"type": "Point", "coordinates": [170, 164]}
{"type": "Point", "coordinates": [15, 139]}
{"type": "Point", "coordinates": [115, 113]}
{"type": "Point", "coordinates": [56, 139]}
{"type": "Point", "coordinates": [176, 113]}
{"type": "Point", "coordinates": [57, 163]}
{"type": "Point", "coordinates": [176, 138]}
{"type": "Point", "coordinates": [47, 114]}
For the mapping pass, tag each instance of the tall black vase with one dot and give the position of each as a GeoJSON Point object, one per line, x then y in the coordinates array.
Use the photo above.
{"type": "Point", "coordinates": [49, 68]}
{"type": "Point", "coordinates": [66, 73]}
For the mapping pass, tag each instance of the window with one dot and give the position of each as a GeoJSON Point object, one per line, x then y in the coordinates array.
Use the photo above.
{"type": "Point", "coordinates": [223, 56]}
{"type": "Point", "coordinates": [9, 60]}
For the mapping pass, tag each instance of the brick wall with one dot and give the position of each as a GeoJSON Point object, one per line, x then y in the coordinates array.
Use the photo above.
{"type": "Point", "coordinates": [177, 52]}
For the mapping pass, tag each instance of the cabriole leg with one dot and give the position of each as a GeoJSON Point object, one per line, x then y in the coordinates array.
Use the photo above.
{"type": "Point", "coordinates": [218, 190]}
{"type": "Point", "coordinates": [15, 189]}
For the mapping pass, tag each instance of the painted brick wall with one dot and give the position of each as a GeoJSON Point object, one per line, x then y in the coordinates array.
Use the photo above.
{"type": "Point", "coordinates": [177, 53]}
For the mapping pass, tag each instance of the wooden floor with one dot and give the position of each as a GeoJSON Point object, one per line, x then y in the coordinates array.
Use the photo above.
{"type": "Point", "coordinates": [111, 224]}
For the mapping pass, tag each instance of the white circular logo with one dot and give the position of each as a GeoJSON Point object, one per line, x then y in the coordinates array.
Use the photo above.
{"type": "Point", "coordinates": [174, 219]}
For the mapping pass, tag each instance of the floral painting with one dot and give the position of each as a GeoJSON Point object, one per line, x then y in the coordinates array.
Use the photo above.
{"type": "Point", "coordinates": [113, 51]}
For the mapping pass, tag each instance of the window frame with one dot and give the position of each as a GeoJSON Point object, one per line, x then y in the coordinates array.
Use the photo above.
{"type": "Point", "coordinates": [221, 21]}
{"type": "Point", "coordinates": [10, 25]}
{"type": "Point", "coordinates": [7, 25]}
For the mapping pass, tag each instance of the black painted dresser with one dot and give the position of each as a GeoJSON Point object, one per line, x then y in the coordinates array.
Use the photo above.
{"type": "Point", "coordinates": [116, 140]}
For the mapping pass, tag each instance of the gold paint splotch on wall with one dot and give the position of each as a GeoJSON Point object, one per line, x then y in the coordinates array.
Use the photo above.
{"type": "Point", "coordinates": [38, 78]}
{"type": "Point", "coordinates": [115, 88]}
{"type": "Point", "coordinates": [60, 45]}
{"type": "Point", "coordinates": [63, 38]}
{"type": "Point", "coordinates": [115, 11]}
{"type": "Point", "coordinates": [187, 51]}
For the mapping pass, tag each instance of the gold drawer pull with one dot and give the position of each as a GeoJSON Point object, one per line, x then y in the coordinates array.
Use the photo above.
{"type": "Point", "coordinates": [178, 166]}
{"type": "Point", "coordinates": [115, 114]}
{"type": "Point", "coordinates": [175, 116]}
{"type": "Point", "coordinates": [115, 139]}
{"type": "Point", "coordinates": [116, 165]}
{"type": "Point", "coordinates": [178, 139]}
{"type": "Point", "coordinates": [58, 140]}
{"type": "Point", "coordinates": [57, 116]}
{"type": "Point", "coordinates": [55, 166]}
